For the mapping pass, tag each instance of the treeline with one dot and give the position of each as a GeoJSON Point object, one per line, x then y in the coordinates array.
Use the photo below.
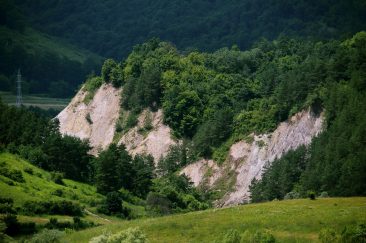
{"type": "Point", "coordinates": [44, 70]}
{"type": "Point", "coordinates": [37, 139]}
{"type": "Point", "coordinates": [111, 28]}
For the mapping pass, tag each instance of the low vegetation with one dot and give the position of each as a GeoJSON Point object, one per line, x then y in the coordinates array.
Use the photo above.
{"type": "Point", "coordinates": [301, 220]}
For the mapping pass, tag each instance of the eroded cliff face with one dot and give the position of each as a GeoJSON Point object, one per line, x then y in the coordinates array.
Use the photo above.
{"type": "Point", "coordinates": [94, 121]}
{"type": "Point", "coordinates": [247, 159]}
{"type": "Point", "coordinates": [155, 142]}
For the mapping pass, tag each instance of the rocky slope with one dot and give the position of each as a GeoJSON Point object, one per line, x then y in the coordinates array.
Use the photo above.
{"type": "Point", "coordinates": [155, 142]}
{"type": "Point", "coordinates": [247, 159]}
{"type": "Point", "coordinates": [96, 121]}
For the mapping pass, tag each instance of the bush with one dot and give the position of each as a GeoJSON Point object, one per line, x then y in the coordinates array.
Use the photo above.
{"type": "Point", "coordinates": [354, 234]}
{"type": "Point", "coordinates": [28, 170]}
{"type": "Point", "coordinates": [327, 235]}
{"type": "Point", "coordinates": [311, 195]}
{"type": "Point", "coordinates": [130, 235]}
{"type": "Point", "coordinates": [324, 195]}
{"type": "Point", "coordinates": [13, 227]}
{"type": "Point", "coordinates": [6, 208]}
{"type": "Point", "coordinates": [77, 224]}
{"type": "Point", "coordinates": [7, 200]}
{"type": "Point", "coordinates": [113, 205]}
{"type": "Point", "coordinates": [52, 207]}
{"type": "Point", "coordinates": [292, 195]}
{"type": "Point", "coordinates": [258, 237]}
{"type": "Point", "coordinates": [231, 236]}
{"type": "Point", "coordinates": [131, 120]}
{"type": "Point", "coordinates": [57, 177]}
{"type": "Point", "coordinates": [15, 175]}
{"type": "Point", "coordinates": [47, 236]}
{"type": "Point", "coordinates": [58, 192]}
{"type": "Point", "coordinates": [158, 203]}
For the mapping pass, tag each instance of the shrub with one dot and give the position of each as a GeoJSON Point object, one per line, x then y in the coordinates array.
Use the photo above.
{"type": "Point", "coordinates": [58, 192]}
{"type": "Point", "coordinates": [354, 234]}
{"type": "Point", "coordinates": [158, 203]}
{"type": "Point", "coordinates": [57, 177]}
{"type": "Point", "coordinates": [113, 205]}
{"type": "Point", "coordinates": [130, 235]}
{"type": "Point", "coordinates": [258, 237]}
{"type": "Point", "coordinates": [15, 175]}
{"type": "Point", "coordinates": [52, 207]}
{"type": "Point", "coordinates": [311, 195]}
{"type": "Point", "coordinates": [6, 208]}
{"type": "Point", "coordinates": [28, 170]}
{"type": "Point", "coordinates": [324, 195]}
{"type": "Point", "coordinates": [131, 120]}
{"type": "Point", "coordinates": [77, 224]}
{"type": "Point", "coordinates": [292, 195]}
{"type": "Point", "coordinates": [47, 236]}
{"type": "Point", "coordinates": [7, 200]}
{"type": "Point", "coordinates": [327, 235]}
{"type": "Point", "coordinates": [91, 85]}
{"type": "Point", "coordinates": [231, 236]}
{"type": "Point", "coordinates": [13, 227]}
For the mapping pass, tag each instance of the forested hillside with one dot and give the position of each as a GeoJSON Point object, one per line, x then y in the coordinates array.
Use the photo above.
{"type": "Point", "coordinates": [49, 65]}
{"type": "Point", "coordinates": [111, 28]}
{"type": "Point", "coordinates": [212, 100]}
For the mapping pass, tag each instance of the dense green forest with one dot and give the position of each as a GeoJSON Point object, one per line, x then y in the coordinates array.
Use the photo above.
{"type": "Point", "coordinates": [111, 28]}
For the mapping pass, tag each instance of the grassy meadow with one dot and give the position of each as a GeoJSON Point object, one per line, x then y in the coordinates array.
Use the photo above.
{"type": "Point", "coordinates": [38, 101]}
{"type": "Point", "coordinates": [288, 221]}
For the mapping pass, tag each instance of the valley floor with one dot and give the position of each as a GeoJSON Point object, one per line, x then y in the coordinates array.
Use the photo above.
{"type": "Point", "coordinates": [288, 221]}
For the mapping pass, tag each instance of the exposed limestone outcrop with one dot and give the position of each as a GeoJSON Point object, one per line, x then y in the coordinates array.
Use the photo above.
{"type": "Point", "coordinates": [156, 142]}
{"type": "Point", "coordinates": [94, 121]}
{"type": "Point", "coordinates": [247, 159]}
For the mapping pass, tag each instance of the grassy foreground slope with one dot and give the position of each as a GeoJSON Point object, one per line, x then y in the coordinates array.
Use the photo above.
{"type": "Point", "coordinates": [38, 185]}
{"type": "Point", "coordinates": [289, 221]}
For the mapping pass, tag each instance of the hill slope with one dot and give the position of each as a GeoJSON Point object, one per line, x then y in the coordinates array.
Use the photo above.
{"type": "Point", "coordinates": [111, 28]}
{"type": "Point", "coordinates": [48, 64]}
{"type": "Point", "coordinates": [38, 185]}
{"type": "Point", "coordinates": [288, 221]}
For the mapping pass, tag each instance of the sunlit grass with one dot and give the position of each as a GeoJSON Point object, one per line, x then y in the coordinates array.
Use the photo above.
{"type": "Point", "coordinates": [289, 221]}
{"type": "Point", "coordinates": [38, 186]}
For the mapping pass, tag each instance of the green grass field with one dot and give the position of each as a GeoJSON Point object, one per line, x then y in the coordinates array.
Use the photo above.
{"type": "Point", "coordinates": [289, 221]}
{"type": "Point", "coordinates": [30, 100]}
{"type": "Point", "coordinates": [38, 186]}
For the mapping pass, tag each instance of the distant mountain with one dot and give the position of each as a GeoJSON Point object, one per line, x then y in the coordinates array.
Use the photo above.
{"type": "Point", "coordinates": [49, 65]}
{"type": "Point", "coordinates": [111, 28]}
